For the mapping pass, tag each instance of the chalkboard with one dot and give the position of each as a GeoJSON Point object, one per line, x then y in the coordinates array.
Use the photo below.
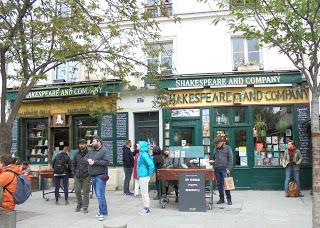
{"type": "Point", "coordinates": [106, 126]}
{"type": "Point", "coordinates": [303, 116]}
{"type": "Point", "coordinates": [122, 120]}
{"type": "Point", "coordinates": [192, 192]}
{"type": "Point", "coordinates": [15, 130]}
{"type": "Point", "coordinates": [14, 147]}
{"type": "Point", "coordinates": [109, 146]}
{"type": "Point", "coordinates": [120, 144]}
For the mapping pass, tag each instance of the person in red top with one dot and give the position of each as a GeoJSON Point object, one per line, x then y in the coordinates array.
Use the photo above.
{"type": "Point", "coordinates": [8, 178]}
{"type": "Point", "coordinates": [135, 174]}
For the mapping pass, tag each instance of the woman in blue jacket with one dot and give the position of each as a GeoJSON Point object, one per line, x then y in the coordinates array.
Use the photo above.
{"type": "Point", "coordinates": [145, 170]}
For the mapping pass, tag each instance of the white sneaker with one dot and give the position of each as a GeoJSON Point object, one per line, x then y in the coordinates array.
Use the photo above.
{"type": "Point", "coordinates": [145, 211]}
{"type": "Point", "coordinates": [100, 217]}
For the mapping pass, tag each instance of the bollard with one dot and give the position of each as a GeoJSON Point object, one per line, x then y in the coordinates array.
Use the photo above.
{"type": "Point", "coordinates": [115, 226]}
{"type": "Point", "coordinates": [8, 219]}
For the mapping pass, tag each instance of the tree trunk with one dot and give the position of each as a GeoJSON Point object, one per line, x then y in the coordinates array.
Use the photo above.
{"type": "Point", "coordinates": [315, 134]}
{"type": "Point", "coordinates": [5, 140]}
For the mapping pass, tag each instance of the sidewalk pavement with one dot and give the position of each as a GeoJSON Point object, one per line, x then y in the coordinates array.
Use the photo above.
{"type": "Point", "coordinates": [261, 209]}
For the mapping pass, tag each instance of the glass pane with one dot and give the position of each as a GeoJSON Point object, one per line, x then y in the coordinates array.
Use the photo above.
{"type": "Point", "coordinates": [183, 137]}
{"type": "Point", "coordinates": [254, 57]}
{"type": "Point", "coordinates": [252, 45]}
{"type": "Point", "coordinates": [240, 115]}
{"type": "Point", "coordinates": [86, 128]}
{"type": "Point", "coordinates": [222, 117]}
{"type": "Point", "coordinates": [61, 72]}
{"type": "Point", "coordinates": [240, 147]}
{"type": "Point", "coordinates": [272, 130]}
{"type": "Point", "coordinates": [72, 72]}
{"type": "Point", "coordinates": [237, 45]}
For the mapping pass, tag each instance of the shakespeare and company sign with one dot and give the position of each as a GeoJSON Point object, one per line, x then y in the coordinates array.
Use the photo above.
{"type": "Point", "coordinates": [234, 80]}
{"type": "Point", "coordinates": [231, 96]}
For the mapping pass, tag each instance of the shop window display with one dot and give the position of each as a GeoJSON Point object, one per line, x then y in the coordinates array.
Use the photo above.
{"type": "Point", "coordinates": [272, 130]}
{"type": "Point", "coordinates": [86, 128]}
{"type": "Point", "coordinates": [37, 141]}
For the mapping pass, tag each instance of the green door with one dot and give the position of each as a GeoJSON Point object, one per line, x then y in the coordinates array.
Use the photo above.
{"type": "Point", "coordinates": [237, 139]}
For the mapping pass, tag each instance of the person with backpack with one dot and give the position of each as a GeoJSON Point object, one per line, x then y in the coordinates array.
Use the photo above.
{"type": "Point", "coordinates": [145, 170]}
{"type": "Point", "coordinates": [61, 165]}
{"type": "Point", "coordinates": [158, 163]}
{"type": "Point", "coordinates": [8, 181]}
{"type": "Point", "coordinates": [81, 177]}
{"type": "Point", "coordinates": [128, 163]}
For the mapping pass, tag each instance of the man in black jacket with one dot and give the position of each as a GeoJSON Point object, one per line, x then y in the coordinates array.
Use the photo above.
{"type": "Point", "coordinates": [81, 177]}
{"type": "Point", "coordinates": [128, 162]}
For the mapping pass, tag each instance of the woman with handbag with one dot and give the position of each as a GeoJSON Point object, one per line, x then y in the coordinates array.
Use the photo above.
{"type": "Point", "coordinates": [291, 162]}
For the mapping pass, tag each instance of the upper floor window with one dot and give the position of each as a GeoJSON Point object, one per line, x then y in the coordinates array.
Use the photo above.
{"type": "Point", "coordinates": [159, 57]}
{"type": "Point", "coordinates": [160, 8]}
{"type": "Point", "coordinates": [245, 52]}
{"type": "Point", "coordinates": [243, 3]}
{"type": "Point", "coordinates": [68, 72]}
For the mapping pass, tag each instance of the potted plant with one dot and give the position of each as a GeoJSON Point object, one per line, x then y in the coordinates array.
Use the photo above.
{"type": "Point", "coordinates": [260, 127]}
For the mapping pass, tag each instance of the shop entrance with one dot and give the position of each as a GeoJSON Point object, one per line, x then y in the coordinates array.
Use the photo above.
{"type": "Point", "coordinates": [60, 138]}
{"type": "Point", "coordinates": [238, 139]}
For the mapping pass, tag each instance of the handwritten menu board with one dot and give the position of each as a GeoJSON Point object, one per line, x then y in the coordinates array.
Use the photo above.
{"type": "Point", "coordinates": [107, 126]}
{"type": "Point", "coordinates": [114, 132]}
{"type": "Point", "coordinates": [122, 122]}
{"type": "Point", "coordinates": [303, 116]}
{"type": "Point", "coordinates": [109, 146]}
{"type": "Point", "coordinates": [14, 147]}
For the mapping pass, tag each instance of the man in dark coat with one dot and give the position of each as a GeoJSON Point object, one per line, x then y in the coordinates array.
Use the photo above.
{"type": "Point", "coordinates": [81, 177]}
{"type": "Point", "coordinates": [128, 163]}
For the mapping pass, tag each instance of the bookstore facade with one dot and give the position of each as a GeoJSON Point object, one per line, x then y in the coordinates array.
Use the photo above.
{"type": "Point", "coordinates": [57, 116]}
{"type": "Point", "coordinates": [257, 113]}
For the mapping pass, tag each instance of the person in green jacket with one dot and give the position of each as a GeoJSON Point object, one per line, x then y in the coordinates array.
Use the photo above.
{"type": "Point", "coordinates": [291, 161]}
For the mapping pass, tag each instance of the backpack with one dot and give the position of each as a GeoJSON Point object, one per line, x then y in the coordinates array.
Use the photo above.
{"type": "Point", "coordinates": [23, 190]}
{"type": "Point", "coordinates": [60, 164]}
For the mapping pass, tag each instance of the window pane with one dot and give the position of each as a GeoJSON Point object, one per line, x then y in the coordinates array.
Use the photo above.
{"type": "Point", "coordinates": [240, 115]}
{"type": "Point", "coordinates": [222, 117]}
{"type": "Point", "coordinates": [240, 147]}
{"type": "Point", "coordinates": [61, 72]}
{"type": "Point", "coordinates": [253, 45]}
{"type": "Point", "coordinates": [72, 71]}
{"type": "Point", "coordinates": [254, 57]}
{"type": "Point", "coordinates": [272, 130]}
{"type": "Point", "coordinates": [238, 51]}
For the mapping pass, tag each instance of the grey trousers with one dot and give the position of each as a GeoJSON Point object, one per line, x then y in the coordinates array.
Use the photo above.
{"type": "Point", "coordinates": [84, 185]}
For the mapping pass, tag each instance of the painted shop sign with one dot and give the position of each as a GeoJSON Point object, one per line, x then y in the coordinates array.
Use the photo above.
{"type": "Point", "coordinates": [231, 96]}
{"type": "Point", "coordinates": [64, 92]}
{"type": "Point", "coordinates": [231, 80]}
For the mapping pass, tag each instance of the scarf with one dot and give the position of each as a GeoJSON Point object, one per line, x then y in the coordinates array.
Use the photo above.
{"type": "Point", "coordinates": [291, 152]}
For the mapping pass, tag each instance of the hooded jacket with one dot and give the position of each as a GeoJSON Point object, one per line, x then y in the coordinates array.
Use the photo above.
{"type": "Point", "coordinates": [145, 161]}
{"type": "Point", "coordinates": [5, 178]}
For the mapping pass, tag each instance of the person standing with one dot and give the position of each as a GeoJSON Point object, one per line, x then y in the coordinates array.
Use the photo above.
{"type": "Point", "coordinates": [223, 161]}
{"type": "Point", "coordinates": [98, 169]}
{"type": "Point", "coordinates": [135, 172]}
{"type": "Point", "coordinates": [291, 161]}
{"type": "Point", "coordinates": [158, 163]}
{"type": "Point", "coordinates": [81, 177]}
{"type": "Point", "coordinates": [128, 163]}
{"type": "Point", "coordinates": [8, 181]}
{"type": "Point", "coordinates": [61, 165]}
{"type": "Point", "coordinates": [145, 170]}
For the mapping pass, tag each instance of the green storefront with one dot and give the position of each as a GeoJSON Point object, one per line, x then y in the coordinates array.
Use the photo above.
{"type": "Point", "coordinates": [256, 112]}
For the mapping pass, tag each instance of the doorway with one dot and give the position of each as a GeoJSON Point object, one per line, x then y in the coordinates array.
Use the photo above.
{"type": "Point", "coordinates": [60, 138]}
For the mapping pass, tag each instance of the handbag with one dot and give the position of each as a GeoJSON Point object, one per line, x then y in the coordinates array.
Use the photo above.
{"type": "Point", "coordinates": [228, 183]}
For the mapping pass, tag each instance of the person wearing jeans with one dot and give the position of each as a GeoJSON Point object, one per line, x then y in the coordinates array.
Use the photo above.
{"type": "Point", "coordinates": [97, 159]}
{"type": "Point", "coordinates": [291, 161]}
{"type": "Point", "coordinates": [128, 163]}
{"type": "Point", "coordinates": [223, 161]}
{"type": "Point", "coordinates": [145, 170]}
{"type": "Point", "coordinates": [57, 180]}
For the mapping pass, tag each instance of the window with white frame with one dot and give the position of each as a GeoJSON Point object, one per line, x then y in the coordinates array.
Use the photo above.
{"type": "Point", "coordinates": [159, 57]}
{"type": "Point", "coordinates": [68, 72]}
{"type": "Point", "coordinates": [160, 8]}
{"type": "Point", "coordinates": [245, 52]}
